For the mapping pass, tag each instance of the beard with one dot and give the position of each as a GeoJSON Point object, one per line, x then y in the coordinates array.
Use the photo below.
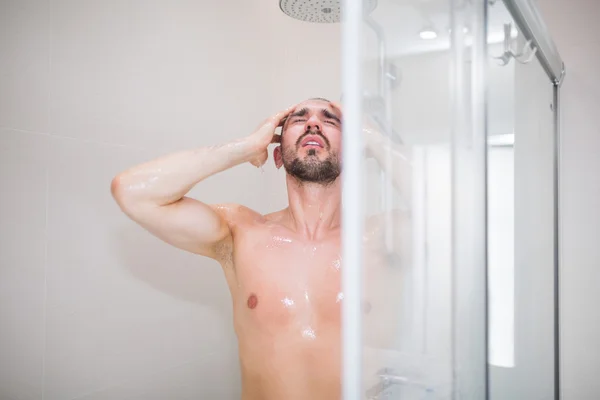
{"type": "Point", "coordinates": [311, 168]}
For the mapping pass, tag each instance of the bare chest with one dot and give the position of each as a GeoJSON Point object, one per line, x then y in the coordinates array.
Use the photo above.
{"type": "Point", "coordinates": [285, 284]}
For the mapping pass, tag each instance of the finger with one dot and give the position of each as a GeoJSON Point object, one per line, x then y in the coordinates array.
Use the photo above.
{"type": "Point", "coordinates": [260, 160]}
{"type": "Point", "coordinates": [282, 121]}
{"type": "Point", "coordinates": [280, 118]}
{"type": "Point", "coordinates": [337, 106]}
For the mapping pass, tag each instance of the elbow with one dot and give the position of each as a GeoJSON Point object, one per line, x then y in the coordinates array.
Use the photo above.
{"type": "Point", "coordinates": [130, 202]}
{"type": "Point", "coordinates": [116, 188]}
{"type": "Point", "coordinates": [119, 192]}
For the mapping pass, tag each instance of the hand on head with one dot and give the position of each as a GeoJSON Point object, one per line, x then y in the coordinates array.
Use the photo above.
{"type": "Point", "coordinates": [265, 135]}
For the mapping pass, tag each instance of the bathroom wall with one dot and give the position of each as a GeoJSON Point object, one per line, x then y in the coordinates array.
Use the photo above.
{"type": "Point", "coordinates": [92, 306]}
{"type": "Point", "coordinates": [574, 27]}
{"type": "Point", "coordinates": [531, 374]}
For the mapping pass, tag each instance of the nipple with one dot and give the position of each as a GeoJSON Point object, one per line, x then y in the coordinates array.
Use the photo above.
{"type": "Point", "coordinates": [252, 301]}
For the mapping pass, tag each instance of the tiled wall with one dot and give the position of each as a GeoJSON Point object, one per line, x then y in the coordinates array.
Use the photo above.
{"type": "Point", "coordinates": [92, 306]}
{"type": "Point", "coordinates": [574, 26]}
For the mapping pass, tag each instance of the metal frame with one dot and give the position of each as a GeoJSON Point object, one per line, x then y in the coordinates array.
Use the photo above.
{"type": "Point", "coordinates": [557, 226]}
{"type": "Point", "coordinates": [352, 201]}
{"type": "Point", "coordinates": [384, 93]}
{"type": "Point", "coordinates": [531, 24]}
{"type": "Point", "coordinates": [469, 201]}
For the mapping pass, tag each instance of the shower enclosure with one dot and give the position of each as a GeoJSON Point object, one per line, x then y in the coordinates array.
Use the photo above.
{"type": "Point", "coordinates": [450, 200]}
{"type": "Point", "coordinates": [450, 191]}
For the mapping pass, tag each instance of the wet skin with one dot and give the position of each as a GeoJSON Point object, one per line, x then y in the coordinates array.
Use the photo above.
{"type": "Point", "coordinates": [283, 269]}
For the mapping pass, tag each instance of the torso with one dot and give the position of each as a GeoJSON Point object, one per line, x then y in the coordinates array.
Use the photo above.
{"type": "Point", "coordinates": [287, 298]}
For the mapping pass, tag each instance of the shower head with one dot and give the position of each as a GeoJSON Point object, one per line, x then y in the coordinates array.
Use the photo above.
{"type": "Point", "coordinates": [321, 11]}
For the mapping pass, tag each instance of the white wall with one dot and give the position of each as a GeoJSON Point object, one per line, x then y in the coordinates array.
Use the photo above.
{"type": "Point", "coordinates": [532, 375]}
{"type": "Point", "coordinates": [574, 27]}
{"type": "Point", "coordinates": [422, 99]}
{"type": "Point", "coordinates": [91, 306]}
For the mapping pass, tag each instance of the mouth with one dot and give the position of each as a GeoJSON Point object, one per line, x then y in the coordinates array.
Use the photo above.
{"type": "Point", "coordinates": [312, 141]}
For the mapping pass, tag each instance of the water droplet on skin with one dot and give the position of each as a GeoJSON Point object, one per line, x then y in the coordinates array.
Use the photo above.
{"type": "Point", "coordinates": [309, 333]}
{"type": "Point", "coordinates": [340, 297]}
{"type": "Point", "coordinates": [336, 264]}
{"type": "Point", "coordinates": [281, 239]}
{"type": "Point", "coordinates": [278, 241]}
{"type": "Point", "coordinates": [287, 302]}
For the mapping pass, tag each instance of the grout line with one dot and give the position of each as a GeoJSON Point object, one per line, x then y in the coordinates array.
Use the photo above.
{"type": "Point", "coordinates": [46, 201]}
{"type": "Point", "coordinates": [49, 92]}
{"type": "Point", "coordinates": [86, 141]}
{"type": "Point", "coordinates": [45, 313]}
{"type": "Point", "coordinates": [144, 376]}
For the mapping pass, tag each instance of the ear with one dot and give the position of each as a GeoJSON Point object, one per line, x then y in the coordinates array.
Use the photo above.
{"type": "Point", "coordinates": [277, 157]}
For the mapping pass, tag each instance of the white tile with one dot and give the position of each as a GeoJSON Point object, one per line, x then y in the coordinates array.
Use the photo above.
{"type": "Point", "coordinates": [24, 64]}
{"type": "Point", "coordinates": [74, 361]}
{"type": "Point", "coordinates": [580, 220]}
{"type": "Point", "coordinates": [571, 23]}
{"type": "Point", "coordinates": [155, 74]}
{"type": "Point", "coordinates": [122, 305]}
{"type": "Point", "coordinates": [22, 254]}
{"type": "Point", "coordinates": [581, 68]}
{"type": "Point", "coordinates": [216, 376]}
{"type": "Point", "coordinates": [211, 377]}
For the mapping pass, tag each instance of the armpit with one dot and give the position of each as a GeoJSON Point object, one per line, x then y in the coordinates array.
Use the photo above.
{"type": "Point", "coordinates": [224, 253]}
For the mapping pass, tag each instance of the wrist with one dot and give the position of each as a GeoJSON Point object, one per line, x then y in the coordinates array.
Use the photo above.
{"type": "Point", "coordinates": [242, 150]}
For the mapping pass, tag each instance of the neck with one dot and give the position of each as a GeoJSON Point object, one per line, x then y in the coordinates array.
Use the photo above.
{"type": "Point", "coordinates": [314, 209]}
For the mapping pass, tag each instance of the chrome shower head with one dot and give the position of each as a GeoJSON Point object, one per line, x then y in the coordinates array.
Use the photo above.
{"type": "Point", "coordinates": [320, 11]}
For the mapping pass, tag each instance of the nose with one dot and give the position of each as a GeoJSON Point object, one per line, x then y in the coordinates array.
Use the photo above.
{"type": "Point", "coordinates": [313, 123]}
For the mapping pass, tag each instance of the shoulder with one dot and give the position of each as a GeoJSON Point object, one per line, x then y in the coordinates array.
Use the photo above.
{"type": "Point", "coordinates": [374, 224]}
{"type": "Point", "coordinates": [233, 211]}
{"type": "Point", "coordinates": [237, 214]}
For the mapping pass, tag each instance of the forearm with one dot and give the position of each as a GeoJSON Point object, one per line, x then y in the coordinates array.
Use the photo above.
{"type": "Point", "coordinates": [167, 179]}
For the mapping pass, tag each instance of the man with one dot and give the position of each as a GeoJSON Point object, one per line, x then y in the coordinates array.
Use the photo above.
{"type": "Point", "coordinates": [282, 269]}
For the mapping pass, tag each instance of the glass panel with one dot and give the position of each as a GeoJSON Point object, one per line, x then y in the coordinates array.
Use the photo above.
{"type": "Point", "coordinates": [416, 97]}
{"type": "Point", "coordinates": [521, 205]}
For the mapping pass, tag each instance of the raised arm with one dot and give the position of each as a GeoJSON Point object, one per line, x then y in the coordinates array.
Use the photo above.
{"type": "Point", "coordinates": [153, 194]}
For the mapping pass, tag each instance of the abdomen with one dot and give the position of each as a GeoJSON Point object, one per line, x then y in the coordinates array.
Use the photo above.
{"type": "Point", "coordinates": [285, 367]}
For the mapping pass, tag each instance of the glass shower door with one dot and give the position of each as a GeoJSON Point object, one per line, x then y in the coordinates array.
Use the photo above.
{"type": "Point", "coordinates": [522, 239]}
{"type": "Point", "coordinates": [414, 315]}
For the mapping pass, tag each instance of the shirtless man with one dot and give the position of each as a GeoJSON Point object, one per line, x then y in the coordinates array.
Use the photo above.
{"type": "Point", "coordinates": [282, 269]}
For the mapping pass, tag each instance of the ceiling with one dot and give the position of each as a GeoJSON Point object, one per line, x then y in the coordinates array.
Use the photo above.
{"type": "Point", "coordinates": [401, 21]}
